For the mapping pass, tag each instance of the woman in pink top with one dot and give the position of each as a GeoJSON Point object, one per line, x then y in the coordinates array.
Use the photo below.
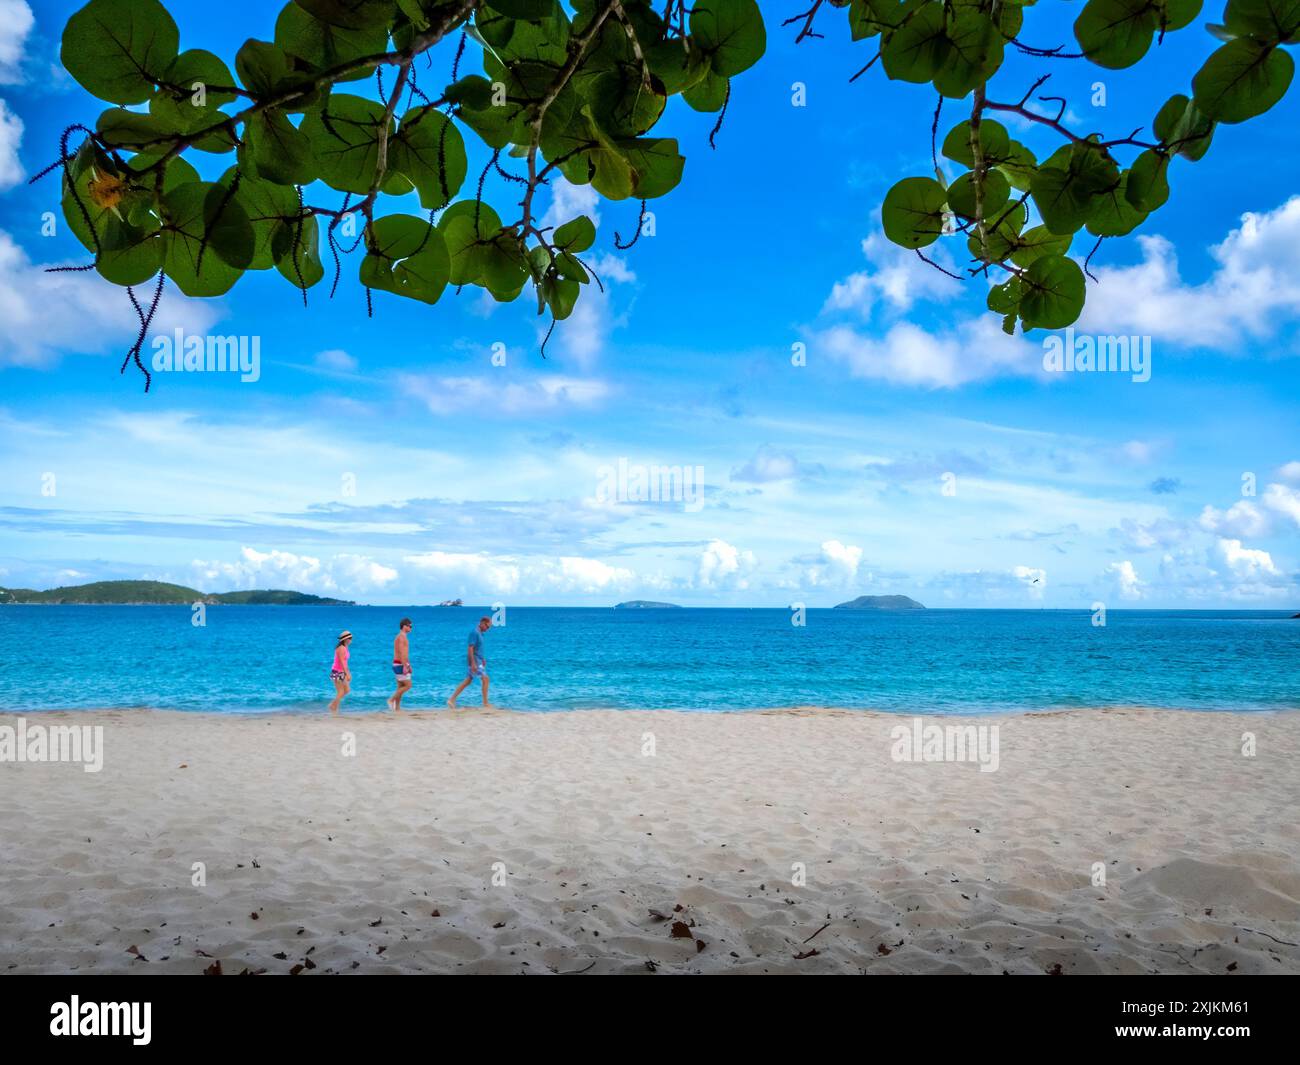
{"type": "Point", "coordinates": [340, 674]}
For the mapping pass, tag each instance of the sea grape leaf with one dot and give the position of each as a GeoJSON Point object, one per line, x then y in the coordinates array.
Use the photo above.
{"type": "Point", "coordinates": [119, 49]}
{"type": "Point", "coordinates": [912, 213]}
{"type": "Point", "coordinates": [1242, 79]}
{"type": "Point", "coordinates": [1053, 293]}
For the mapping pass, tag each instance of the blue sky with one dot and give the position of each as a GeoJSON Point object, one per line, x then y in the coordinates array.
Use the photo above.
{"type": "Point", "coordinates": [389, 461]}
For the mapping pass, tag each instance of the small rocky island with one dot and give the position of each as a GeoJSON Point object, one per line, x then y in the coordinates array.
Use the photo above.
{"type": "Point", "coordinates": [645, 604]}
{"type": "Point", "coordinates": [881, 602]}
{"type": "Point", "coordinates": [451, 602]}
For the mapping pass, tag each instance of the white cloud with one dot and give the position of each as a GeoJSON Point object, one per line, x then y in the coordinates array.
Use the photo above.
{"type": "Point", "coordinates": [973, 350]}
{"type": "Point", "coordinates": [1290, 472]}
{"type": "Point", "coordinates": [281, 569]}
{"type": "Point", "coordinates": [837, 564]}
{"type": "Point", "coordinates": [16, 21]}
{"type": "Point", "coordinates": [336, 360]}
{"type": "Point", "coordinates": [1034, 580]}
{"type": "Point", "coordinates": [488, 392]}
{"type": "Point", "coordinates": [1138, 450]}
{"type": "Point", "coordinates": [510, 575]}
{"type": "Point", "coordinates": [43, 316]}
{"type": "Point", "coordinates": [11, 136]}
{"type": "Point", "coordinates": [568, 201]}
{"type": "Point", "coordinates": [572, 574]}
{"type": "Point", "coordinates": [1246, 562]}
{"type": "Point", "coordinates": [1242, 519]}
{"type": "Point", "coordinates": [1254, 288]}
{"type": "Point", "coordinates": [897, 278]}
{"type": "Point", "coordinates": [1144, 536]}
{"type": "Point", "coordinates": [583, 336]}
{"type": "Point", "coordinates": [724, 566]}
{"type": "Point", "coordinates": [767, 465]}
{"type": "Point", "coordinates": [481, 572]}
{"type": "Point", "coordinates": [1283, 500]}
{"type": "Point", "coordinates": [1127, 582]}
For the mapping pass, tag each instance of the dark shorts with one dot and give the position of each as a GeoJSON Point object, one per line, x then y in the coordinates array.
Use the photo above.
{"type": "Point", "coordinates": [402, 672]}
{"type": "Point", "coordinates": [338, 674]}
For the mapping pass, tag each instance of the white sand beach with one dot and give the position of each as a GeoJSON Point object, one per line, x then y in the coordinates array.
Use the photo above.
{"type": "Point", "coordinates": [554, 843]}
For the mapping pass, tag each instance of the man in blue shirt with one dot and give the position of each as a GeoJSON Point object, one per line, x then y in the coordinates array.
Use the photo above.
{"type": "Point", "coordinates": [477, 666]}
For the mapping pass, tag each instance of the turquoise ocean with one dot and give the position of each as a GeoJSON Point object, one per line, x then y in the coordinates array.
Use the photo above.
{"type": "Point", "coordinates": [259, 659]}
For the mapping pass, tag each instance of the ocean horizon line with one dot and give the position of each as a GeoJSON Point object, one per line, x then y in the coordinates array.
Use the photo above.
{"type": "Point", "coordinates": [1287, 611]}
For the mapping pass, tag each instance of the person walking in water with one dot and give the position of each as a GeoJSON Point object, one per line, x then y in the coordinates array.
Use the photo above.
{"type": "Point", "coordinates": [401, 665]}
{"type": "Point", "coordinates": [477, 666]}
{"type": "Point", "coordinates": [340, 674]}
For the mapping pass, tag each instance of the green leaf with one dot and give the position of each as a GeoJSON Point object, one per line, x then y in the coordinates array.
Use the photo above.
{"type": "Point", "coordinates": [567, 265]}
{"type": "Point", "coordinates": [918, 49]}
{"type": "Point", "coordinates": [497, 123]}
{"type": "Point", "coordinates": [1053, 293]}
{"type": "Point", "coordinates": [396, 236]}
{"type": "Point", "coordinates": [1116, 33]}
{"type": "Point", "coordinates": [323, 46]}
{"type": "Point", "coordinates": [606, 165]}
{"type": "Point", "coordinates": [1183, 128]}
{"type": "Point", "coordinates": [912, 213]}
{"type": "Point", "coordinates": [423, 276]}
{"type": "Point", "coordinates": [576, 235]}
{"type": "Point", "coordinates": [1270, 21]}
{"type": "Point", "coordinates": [1001, 233]}
{"type": "Point", "coordinates": [961, 194]}
{"type": "Point", "coordinates": [176, 171]}
{"type": "Point", "coordinates": [528, 10]}
{"type": "Point", "coordinates": [974, 53]}
{"type": "Point", "coordinates": [467, 227]}
{"type": "Point", "coordinates": [429, 151]}
{"type": "Point", "coordinates": [504, 271]}
{"type": "Point", "coordinates": [995, 143]}
{"type": "Point", "coordinates": [295, 246]}
{"type": "Point", "coordinates": [119, 49]}
{"type": "Point", "coordinates": [197, 68]}
{"type": "Point", "coordinates": [344, 138]}
{"type": "Point", "coordinates": [121, 223]}
{"type": "Point", "coordinates": [266, 70]}
{"type": "Point", "coordinates": [1019, 166]}
{"type": "Point", "coordinates": [1066, 195]}
{"type": "Point", "coordinates": [1114, 215]}
{"type": "Point", "coordinates": [1036, 243]}
{"type": "Point", "coordinates": [561, 294]}
{"type": "Point", "coordinates": [621, 103]}
{"type": "Point", "coordinates": [351, 14]}
{"type": "Point", "coordinates": [279, 151]}
{"type": "Point", "coordinates": [267, 205]}
{"type": "Point", "coordinates": [655, 164]}
{"type": "Point", "coordinates": [207, 240]}
{"type": "Point", "coordinates": [1242, 79]}
{"type": "Point", "coordinates": [1147, 187]}
{"type": "Point", "coordinates": [120, 128]}
{"type": "Point", "coordinates": [709, 94]}
{"type": "Point", "coordinates": [678, 63]}
{"type": "Point", "coordinates": [730, 32]}
{"type": "Point", "coordinates": [1005, 298]}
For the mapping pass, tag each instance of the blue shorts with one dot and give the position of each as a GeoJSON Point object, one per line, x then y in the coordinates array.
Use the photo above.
{"type": "Point", "coordinates": [402, 672]}
{"type": "Point", "coordinates": [479, 671]}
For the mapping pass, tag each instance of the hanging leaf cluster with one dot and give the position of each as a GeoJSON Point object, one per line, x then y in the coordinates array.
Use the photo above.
{"type": "Point", "coordinates": [319, 126]}
{"type": "Point", "coordinates": [1020, 213]}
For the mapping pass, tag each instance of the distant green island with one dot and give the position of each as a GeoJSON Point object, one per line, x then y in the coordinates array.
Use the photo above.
{"type": "Point", "coordinates": [880, 602]}
{"type": "Point", "coordinates": [645, 604]}
{"type": "Point", "coordinates": [158, 593]}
